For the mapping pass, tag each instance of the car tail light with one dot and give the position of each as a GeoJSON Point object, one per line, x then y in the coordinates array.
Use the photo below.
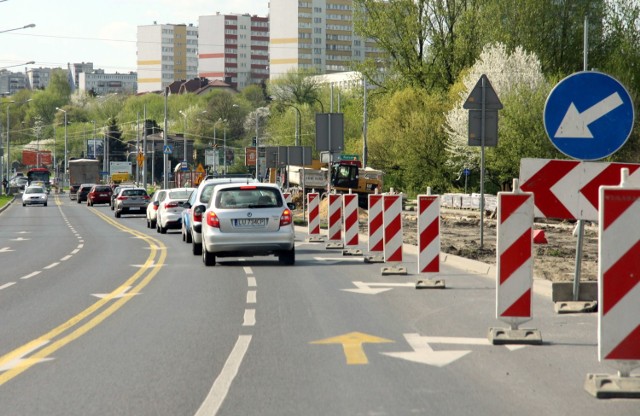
{"type": "Point", "coordinates": [121, 198]}
{"type": "Point", "coordinates": [146, 197]}
{"type": "Point", "coordinates": [285, 218]}
{"type": "Point", "coordinates": [197, 216]}
{"type": "Point", "coordinates": [213, 220]}
{"type": "Point", "coordinates": [171, 205]}
{"type": "Point", "coordinates": [248, 187]}
{"type": "Point", "coordinates": [155, 207]}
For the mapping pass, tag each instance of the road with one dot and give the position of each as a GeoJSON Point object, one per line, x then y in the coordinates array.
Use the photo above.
{"type": "Point", "coordinates": [102, 316]}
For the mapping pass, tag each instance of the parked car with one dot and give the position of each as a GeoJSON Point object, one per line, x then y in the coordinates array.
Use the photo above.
{"type": "Point", "coordinates": [116, 191]}
{"type": "Point", "coordinates": [192, 218]}
{"type": "Point", "coordinates": [35, 195]}
{"type": "Point", "coordinates": [170, 209]}
{"type": "Point", "coordinates": [152, 208]}
{"type": "Point", "coordinates": [73, 192]}
{"type": "Point", "coordinates": [83, 192]}
{"type": "Point", "coordinates": [19, 182]}
{"type": "Point", "coordinates": [131, 201]}
{"type": "Point", "coordinates": [99, 194]}
{"type": "Point", "coordinates": [248, 220]}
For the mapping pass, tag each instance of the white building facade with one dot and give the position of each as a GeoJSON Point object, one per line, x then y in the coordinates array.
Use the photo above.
{"type": "Point", "coordinates": [234, 48]}
{"type": "Point", "coordinates": [100, 83]}
{"type": "Point", "coordinates": [316, 35]}
{"type": "Point", "coordinates": [166, 53]}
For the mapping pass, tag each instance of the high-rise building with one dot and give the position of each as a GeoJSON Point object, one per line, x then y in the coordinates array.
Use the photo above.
{"type": "Point", "coordinates": [12, 82]}
{"type": "Point", "coordinates": [234, 48]}
{"type": "Point", "coordinates": [316, 35]}
{"type": "Point", "coordinates": [166, 53]}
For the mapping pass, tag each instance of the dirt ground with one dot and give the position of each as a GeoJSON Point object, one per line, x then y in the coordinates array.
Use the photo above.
{"type": "Point", "coordinates": [460, 235]}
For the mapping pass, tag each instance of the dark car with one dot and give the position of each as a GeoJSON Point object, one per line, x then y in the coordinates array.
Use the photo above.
{"type": "Point", "coordinates": [99, 194]}
{"type": "Point", "coordinates": [83, 192]}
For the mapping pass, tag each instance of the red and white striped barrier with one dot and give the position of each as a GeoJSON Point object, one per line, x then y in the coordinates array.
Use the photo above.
{"type": "Point", "coordinates": [375, 224]}
{"type": "Point", "coordinates": [392, 211]}
{"type": "Point", "coordinates": [313, 222]}
{"type": "Point", "coordinates": [350, 207]}
{"type": "Point", "coordinates": [335, 217]}
{"type": "Point", "coordinates": [514, 251]}
{"type": "Point", "coordinates": [619, 276]}
{"type": "Point", "coordinates": [428, 234]}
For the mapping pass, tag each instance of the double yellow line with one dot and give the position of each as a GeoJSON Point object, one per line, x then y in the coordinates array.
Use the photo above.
{"type": "Point", "coordinates": [47, 344]}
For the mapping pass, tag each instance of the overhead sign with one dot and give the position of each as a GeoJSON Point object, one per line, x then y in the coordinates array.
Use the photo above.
{"type": "Point", "coordinates": [588, 115]}
{"type": "Point", "coordinates": [568, 189]}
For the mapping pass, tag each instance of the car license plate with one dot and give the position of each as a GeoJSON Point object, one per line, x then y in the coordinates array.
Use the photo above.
{"type": "Point", "coordinates": [134, 208]}
{"type": "Point", "coordinates": [103, 194]}
{"type": "Point", "coordinates": [249, 222]}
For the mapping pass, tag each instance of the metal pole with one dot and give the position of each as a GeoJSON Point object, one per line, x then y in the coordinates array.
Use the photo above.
{"type": "Point", "coordinates": [8, 152]}
{"type": "Point", "coordinates": [257, 152]}
{"type": "Point", "coordinates": [144, 147]}
{"type": "Point", "coordinates": [224, 149]}
{"type": "Point", "coordinates": [137, 147]}
{"type": "Point", "coordinates": [482, 138]}
{"type": "Point", "coordinates": [165, 156]}
{"type": "Point", "coordinates": [64, 173]}
{"type": "Point", "coordinates": [364, 125]}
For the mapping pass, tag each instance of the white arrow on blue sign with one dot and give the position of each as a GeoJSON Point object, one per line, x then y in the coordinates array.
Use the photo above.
{"type": "Point", "coordinates": [588, 115]}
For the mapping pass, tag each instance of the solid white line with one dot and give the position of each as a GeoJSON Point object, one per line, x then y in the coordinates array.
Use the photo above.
{"type": "Point", "coordinates": [51, 266]}
{"type": "Point", "coordinates": [251, 296]}
{"type": "Point", "coordinates": [221, 386]}
{"type": "Point", "coordinates": [30, 275]}
{"type": "Point", "coordinates": [251, 281]}
{"type": "Point", "coordinates": [65, 258]}
{"type": "Point", "coordinates": [249, 317]}
{"type": "Point", "coordinates": [6, 285]}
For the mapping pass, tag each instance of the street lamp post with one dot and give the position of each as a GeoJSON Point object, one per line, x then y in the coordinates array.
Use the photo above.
{"type": "Point", "coordinates": [64, 167]}
{"type": "Point", "coordinates": [257, 150]}
{"type": "Point", "coordinates": [9, 129]}
{"type": "Point", "coordinates": [184, 135]}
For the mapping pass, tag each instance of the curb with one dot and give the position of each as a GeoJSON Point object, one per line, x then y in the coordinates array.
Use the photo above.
{"type": "Point", "coordinates": [3, 208]}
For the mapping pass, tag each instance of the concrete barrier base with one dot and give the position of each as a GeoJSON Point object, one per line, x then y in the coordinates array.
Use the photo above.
{"type": "Point", "coordinates": [379, 258]}
{"type": "Point", "coordinates": [604, 386]}
{"type": "Point", "coordinates": [576, 307]}
{"type": "Point", "coordinates": [393, 270]}
{"type": "Point", "coordinates": [430, 284]}
{"type": "Point", "coordinates": [501, 336]}
{"type": "Point", "coordinates": [315, 240]}
{"type": "Point", "coordinates": [334, 246]}
{"type": "Point", "coordinates": [352, 252]}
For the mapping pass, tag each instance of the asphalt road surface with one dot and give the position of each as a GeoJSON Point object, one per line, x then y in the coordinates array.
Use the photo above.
{"type": "Point", "coordinates": [102, 316]}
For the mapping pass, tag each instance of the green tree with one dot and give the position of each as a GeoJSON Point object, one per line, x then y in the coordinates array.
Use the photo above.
{"type": "Point", "coordinates": [295, 87]}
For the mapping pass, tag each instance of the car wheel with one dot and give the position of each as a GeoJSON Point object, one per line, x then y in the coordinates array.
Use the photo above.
{"type": "Point", "coordinates": [196, 248]}
{"type": "Point", "coordinates": [208, 258]}
{"type": "Point", "coordinates": [153, 224]}
{"type": "Point", "coordinates": [112, 208]}
{"type": "Point", "coordinates": [24, 205]}
{"type": "Point", "coordinates": [78, 200]}
{"type": "Point", "coordinates": [117, 214]}
{"type": "Point", "coordinates": [45, 204]}
{"type": "Point", "coordinates": [163, 230]}
{"type": "Point", "coordinates": [287, 258]}
{"type": "Point", "coordinates": [188, 238]}
{"type": "Point", "coordinates": [184, 238]}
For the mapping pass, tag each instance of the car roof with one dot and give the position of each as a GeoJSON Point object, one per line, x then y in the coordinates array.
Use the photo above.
{"type": "Point", "coordinates": [258, 185]}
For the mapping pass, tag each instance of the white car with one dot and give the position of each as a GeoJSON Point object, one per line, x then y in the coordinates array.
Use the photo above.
{"type": "Point", "coordinates": [169, 214]}
{"type": "Point", "coordinates": [248, 220]}
{"type": "Point", "coordinates": [197, 203]}
{"type": "Point", "coordinates": [35, 195]}
{"type": "Point", "coordinates": [152, 208]}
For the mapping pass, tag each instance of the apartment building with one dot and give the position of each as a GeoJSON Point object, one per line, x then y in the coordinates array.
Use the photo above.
{"type": "Point", "coordinates": [39, 78]}
{"type": "Point", "coordinates": [234, 48]}
{"type": "Point", "coordinates": [100, 83]}
{"type": "Point", "coordinates": [166, 53]}
{"type": "Point", "coordinates": [316, 35]}
{"type": "Point", "coordinates": [12, 82]}
{"type": "Point", "coordinates": [76, 69]}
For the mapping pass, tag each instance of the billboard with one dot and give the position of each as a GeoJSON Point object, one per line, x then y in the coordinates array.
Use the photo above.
{"type": "Point", "coordinates": [95, 148]}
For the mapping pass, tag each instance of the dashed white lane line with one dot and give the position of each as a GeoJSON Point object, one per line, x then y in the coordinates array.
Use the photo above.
{"type": "Point", "coordinates": [75, 251]}
{"type": "Point", "coordinates": [30, 275]}
{"type": "Point", "coordinates": [6, 285]}
{"type": "Point", "coordinates": [249, 317]}
{"type": "Point", "coordinates": [65, 258]}
{"type": "Point", "coordinates": [247, 270]}
{"type": "Point", "coordinates": [251, 296]}
{"type": "Point", "coordinates": [51, 266]}
{"type": "Point", "coordinates": [251, 281]}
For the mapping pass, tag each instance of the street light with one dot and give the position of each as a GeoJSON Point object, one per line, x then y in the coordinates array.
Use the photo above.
{"type": "Point", "coordinates": [64, 167]}
{"type": "Point", "coordinates": [19, 28]}
{"type": "Point", "coordinates": [8, 129]}
{"type": "Point", "coordinates": [13, 66]}
{"type": "Point", "coordinates": [93, 141]}
{"type": "Point", "coordinates": [184, 135]}
{"type": "Point", "coordinates": [224, 145]}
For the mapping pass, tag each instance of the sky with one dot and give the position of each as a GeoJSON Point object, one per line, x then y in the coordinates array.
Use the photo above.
{"type": "Point", "coordinates": [102, 32]}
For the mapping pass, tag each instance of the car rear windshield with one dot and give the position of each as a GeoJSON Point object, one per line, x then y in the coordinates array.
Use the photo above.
{"type": "Point", "coordinates": [249, 197]}
{"type": "Point", "coordinates": [103, 189]}
{"type": "Point", "coordinates": [34, 190]}
{"type": "Point", "coordinates": [182, 194]}
{"type": "Point", "coordinates": [134, 192]}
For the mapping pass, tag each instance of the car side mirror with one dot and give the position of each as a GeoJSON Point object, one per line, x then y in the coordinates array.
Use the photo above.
{"type": "Point", "coordinates": [186, 205]}
{"type": "Point", "coordinates": [291, 206]}
{"type": "Point", "coordinates": [156, 203]}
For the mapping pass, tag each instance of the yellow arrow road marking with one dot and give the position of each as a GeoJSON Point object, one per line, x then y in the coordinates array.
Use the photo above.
{"type": "Point", "coordinates": [352, 345]}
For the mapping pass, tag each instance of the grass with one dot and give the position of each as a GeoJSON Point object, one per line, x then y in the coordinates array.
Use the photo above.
{"type": "Point", "coordinates": [4, 200]}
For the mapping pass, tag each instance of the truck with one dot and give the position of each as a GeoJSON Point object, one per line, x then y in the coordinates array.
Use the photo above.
{"type": "Point", "coordinates": [82, 171]}
{"type": "Point", "coordinates": [345, 175]}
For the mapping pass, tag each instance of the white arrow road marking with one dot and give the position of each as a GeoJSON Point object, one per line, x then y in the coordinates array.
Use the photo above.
{"type": "Point", "coordinates": [117, 296]}
{"type": "Point", "coordinates": [575, 125]}
{"type": "Point", "coordinates": [367, 288]}
{"type": "Point", "coordinates": [468, 341]}
{"type": "Point", "coordinates": [20, 361]}
{"type": "Point", "coordinates": [423, 353]}
{"type": "Point", "coordinates": [5, 249]}
{"type": "Point", "coordinates": [335, 260]}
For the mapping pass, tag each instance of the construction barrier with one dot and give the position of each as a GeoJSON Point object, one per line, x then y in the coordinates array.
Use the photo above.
{"type": "Point", "coordinates": [350, 207]}
{"type": "Point", "coordinates": [619, 274]}
{"type": "Point", "coordinates": [335, 217]}
{"type": "Point", "coordinates": [393, 238]}
{"type": "Point", "coordinates": [428, 234]}
{"type": "Point", "coordinates": [375, 224]}
{"type": "Point", "coordinates": [313, 222]}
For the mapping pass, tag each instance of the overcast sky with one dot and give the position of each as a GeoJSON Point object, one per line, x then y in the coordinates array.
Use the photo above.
{"type": "Point", "coordinates": [102, 32]}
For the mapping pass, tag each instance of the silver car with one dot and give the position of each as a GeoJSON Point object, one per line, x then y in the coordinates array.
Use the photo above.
{"type": "Point", "coordinates": [131, 201]}
{"type": "Point", "coordinates": [248, 220]}
{"type": "Point", "coordinates": [34, 195]}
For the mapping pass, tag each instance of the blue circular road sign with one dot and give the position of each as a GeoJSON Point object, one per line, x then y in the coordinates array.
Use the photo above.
{"type": "Point", "coordinates": [588, 115]}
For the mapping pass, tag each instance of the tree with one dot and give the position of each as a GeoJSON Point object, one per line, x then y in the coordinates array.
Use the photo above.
{"type": "Point", "coordinates": [295, 87]}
